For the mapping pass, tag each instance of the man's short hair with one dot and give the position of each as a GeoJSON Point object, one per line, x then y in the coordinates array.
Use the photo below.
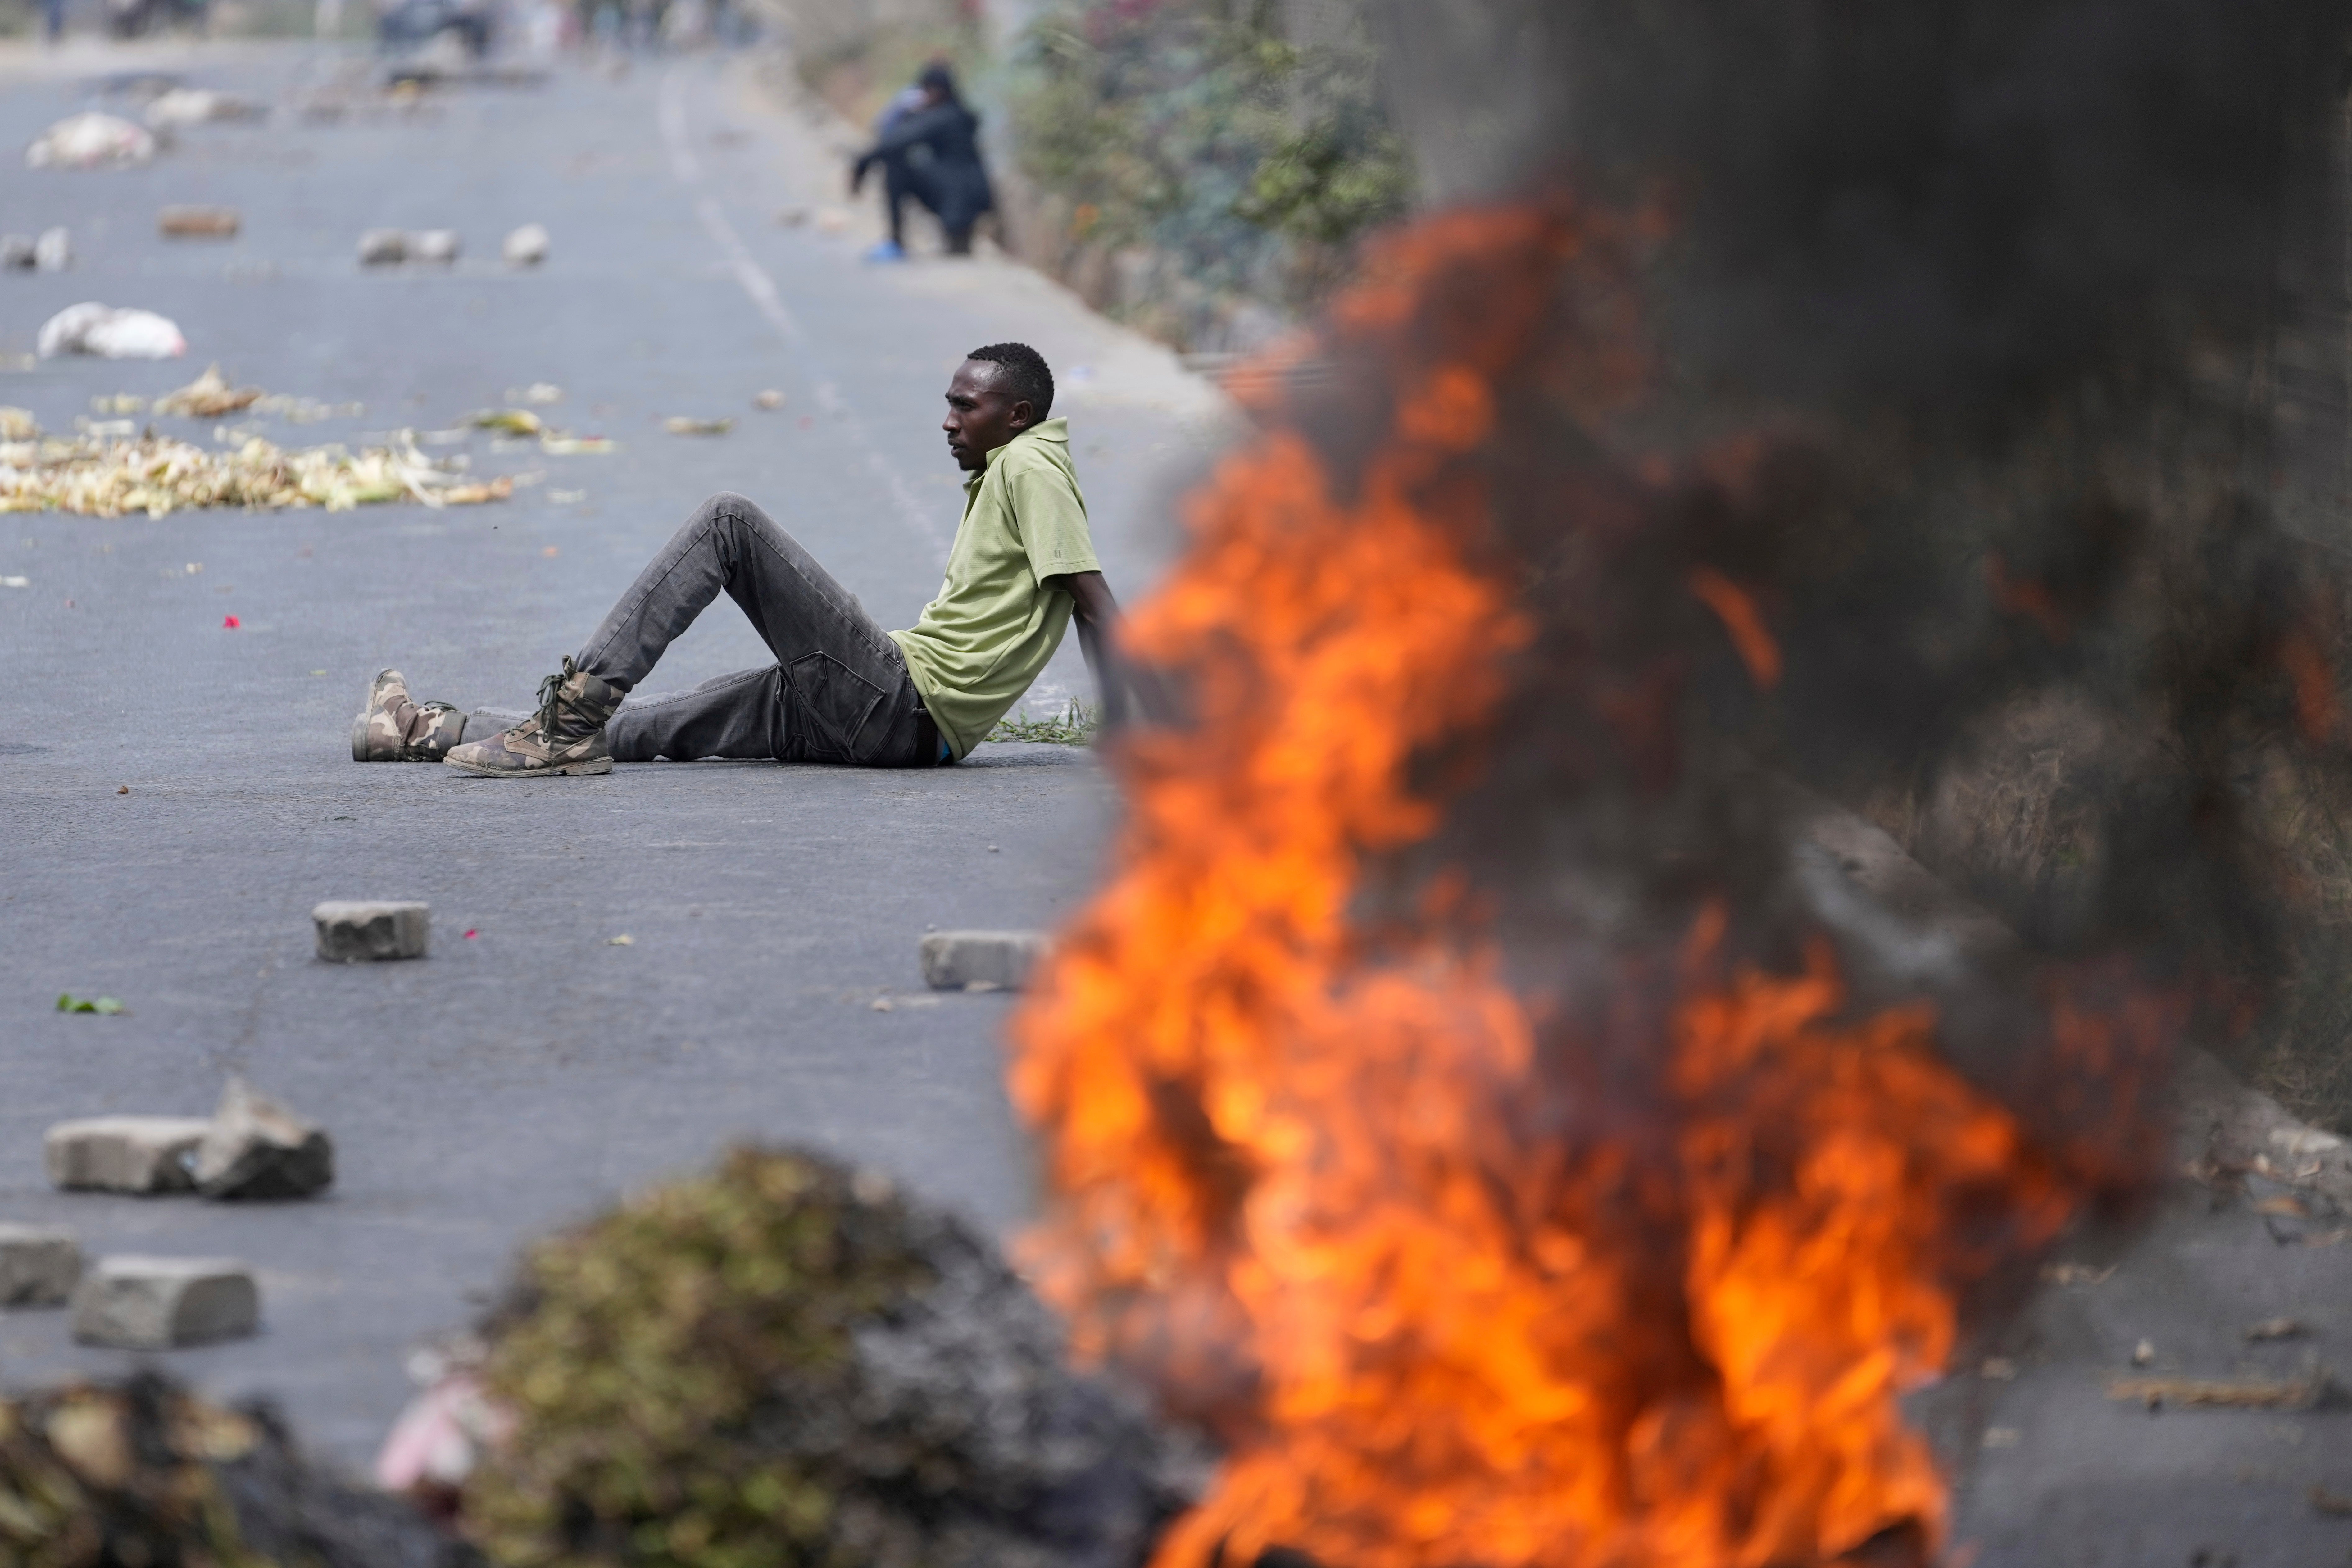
{"type": "Point", "coordinates": [1027, 375]}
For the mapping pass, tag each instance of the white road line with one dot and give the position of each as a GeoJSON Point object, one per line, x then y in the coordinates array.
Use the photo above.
{"type": "Point", "coordinates": [766, 298]}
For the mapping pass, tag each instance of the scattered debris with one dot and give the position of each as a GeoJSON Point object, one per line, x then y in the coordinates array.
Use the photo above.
{"type": "Point", "coordinates": [2002, 1437]}
{"type": "Point", "coordinates": [2144, 1354]}
{"type": "Point", "coordinates": [2227, 1393]}
{"type": "Point", "coordinates": [624, 940]}
{"type": "Point", "coordinates": [38, 1265]}
{"type": "Point", "coordinates": [2273, 1328]}
{"type": "Point", "coordinates": [198, 222]}
{"type": "Point", "coordinates": [69, 1002]}
{"type": "Point", "coordinates": [1074, 726]}
{"type": "Point", "coordinates": [382, 248]}
{"type": "Point", "coordinates": [576, 446]}
{"type": "Point", "coordinates": [525, 246]}
{"type": "Point", "coordinates": [436, 246]}
{"type": "Point", "coordinates": [122, 789]}
{"type": "Point", "coordinates": [542, 393]}
{"type": "Point", "coordinates": [792, 217]}
{"type": "Point", "coordinates": [832, 220]}
{"type": "Point", "coordinates": [771, 398]}
{"type": "Point", "coordinates": [2072, 1274]}
{"type": "Point", "coordinates": [90, 328]}
{"type": "Point", "coordinates": [142, 1303]}
{"type": "Point", "coordinates": [91, 140]}
{"type": "Point", "coordinates": [797, 1329]}
{"type": "Point", "coordinates": [512, 421]}
{"type": "Point", "coordinates": [158, 474]}
{"type": "Point", "coordinates": [256, 1148]}
{"type": "Point", "coordinates": [679, 425]}
{"type": "Point", "coordinates": [116, 402]}
{"type": "Point", "coordinates": [124, 1153]}
{"type": "Point", "coordinates": [53, 252]}
{"type": "Point", "coordinates": [365, 931]}
{"type": "Point", "coordinates": [1997, 1369]}
{"type": "Point", "coordinates": [208, 398]}
{"type": "Point", "coordinates": [17, 252]}
{"type": "Point", "coordinates": [185, 106]}
{"type": "Point", "coordinates": [2334, 1505]}
{"type": "Point", "coordinates": [981, 960]}
{"type": "Point", "coordinates": [18, 424]}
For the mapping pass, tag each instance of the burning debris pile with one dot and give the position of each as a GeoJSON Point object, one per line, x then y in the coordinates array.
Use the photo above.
{"type": "Point", "coordinates": [790, 1362]}
{"type": "Point", "coordinates": [145, 1472]}
{"type": "Point", "coordinates": [1461, 1101]}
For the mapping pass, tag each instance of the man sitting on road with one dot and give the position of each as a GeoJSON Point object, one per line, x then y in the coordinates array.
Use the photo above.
{"type": "Point", "coordinates": [842, 689]}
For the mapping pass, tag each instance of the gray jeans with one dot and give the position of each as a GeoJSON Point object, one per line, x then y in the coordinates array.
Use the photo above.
{"type": "Point", "coordinates": [838, 691]}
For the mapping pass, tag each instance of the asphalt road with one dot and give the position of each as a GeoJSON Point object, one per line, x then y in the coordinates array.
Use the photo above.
{"type": "Point", "coordinates": [534, 1071]}
{"type": "Point", "coordinates": [531, 1072]}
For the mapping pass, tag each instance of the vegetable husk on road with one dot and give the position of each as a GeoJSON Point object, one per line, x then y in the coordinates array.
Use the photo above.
{"type": "Point", "coordinates": [159, 475]}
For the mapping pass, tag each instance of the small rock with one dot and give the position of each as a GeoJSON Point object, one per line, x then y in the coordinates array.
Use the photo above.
{"type": "Point", "coordinates": [124, 1153]}
{"type": "Point", "coordinates": [382, 248]}
{"type": "Point", "coordinates": [155, 1303]}
{"type": "Point", "coordinates": [198, 222]}
{"type": "Point", "coordinates": [53, 252]}
{"type": "Point", "coordinates": [435, 244]}
{"type": "Point", "coordinates": [981, 960]}
{"type": "Point", "coordinates": [256, 1148]}
{"type": "Point", "coordinates": [771, 398]}
{"type": "Point", "coordinates": [363, 931]}
{"type": "Point", "coordinates": [526, 246]}
{"type": "Point", "coordinates": [17, 252]}
{"type": "Point", "coordinates": [38, 1266]}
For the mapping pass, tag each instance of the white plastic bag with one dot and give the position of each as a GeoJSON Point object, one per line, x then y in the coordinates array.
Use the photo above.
{"type": "Point", "coordinates": [94, 329]}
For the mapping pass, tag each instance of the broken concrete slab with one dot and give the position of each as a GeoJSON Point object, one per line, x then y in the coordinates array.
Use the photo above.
{"type": "Point", "coordinates": [981, 960]}
{"type": "Point", "coordinates": [38, 1265]}
{"type": "Point", "coordinates": [256, 1148]}
{"type": "Point", "coordinates": [136, 1302]}
{"type": "Point", "coordinates": [124, 1153]}
{"type": "Point", "coordinates": [372, 931]}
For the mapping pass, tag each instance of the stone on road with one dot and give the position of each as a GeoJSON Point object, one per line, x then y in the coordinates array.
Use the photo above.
{"type": "Point", "coordinates": [142, 1303]}
{"type": "Point", "coordinates": [256, 1148]}
{"type": "Point", "coordinates": [980, 960]}
{"type": "Point", "coordinates": [124, 1153]}
{"type": "Point", "coordinates": [38, 1265]}
{"type": "Point", "coordinates": [363, 931]}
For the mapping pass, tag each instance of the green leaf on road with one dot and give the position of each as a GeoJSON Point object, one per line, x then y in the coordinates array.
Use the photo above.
{"type": "Point", "coordinates": [69, 1002]}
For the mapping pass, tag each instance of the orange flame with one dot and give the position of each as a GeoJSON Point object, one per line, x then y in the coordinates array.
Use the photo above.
{"type": "Point", "coordinates": [1323, 1188]}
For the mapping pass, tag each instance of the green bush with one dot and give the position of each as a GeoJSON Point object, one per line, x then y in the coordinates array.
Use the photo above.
{"type": "Point", "coordinates": [1196, 129]}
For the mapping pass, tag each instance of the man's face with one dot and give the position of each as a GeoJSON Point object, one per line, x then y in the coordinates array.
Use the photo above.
{"type": "Point", "coordinates": [982, 416]}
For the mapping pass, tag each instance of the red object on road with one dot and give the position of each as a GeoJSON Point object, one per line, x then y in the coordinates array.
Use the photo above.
{"type": "Point", "coordinates": [228, 623]}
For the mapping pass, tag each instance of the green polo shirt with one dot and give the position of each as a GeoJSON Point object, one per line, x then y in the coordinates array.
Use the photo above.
{"type": "Point", "coordinates": [994, 626]}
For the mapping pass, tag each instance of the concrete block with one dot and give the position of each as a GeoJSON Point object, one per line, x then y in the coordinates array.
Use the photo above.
{"type": "Point", "coordinates": [364, 930]}
{"type": "Point", "coordinates": [981, 960]}
{"type": "Point", "coordinates": [38, 1265]}
{"type": "Point", "coordinates": [154, 1303]}
{"type": "Point", "coordinates": [256, 1148]}
{"type": "Point", "coordinates": [124, 1153]}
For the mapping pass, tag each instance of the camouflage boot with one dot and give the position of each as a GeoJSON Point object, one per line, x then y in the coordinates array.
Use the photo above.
{"type": "Point", "coordinates": [565, 736]}
{"type": "Point", "coordinates": [394, 728]}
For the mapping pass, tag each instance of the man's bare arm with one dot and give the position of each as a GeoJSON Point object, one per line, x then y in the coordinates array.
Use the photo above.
{"type": "Point", "coordinates": [1115, 678]}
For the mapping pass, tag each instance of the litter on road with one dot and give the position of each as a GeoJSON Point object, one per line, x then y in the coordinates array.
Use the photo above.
{"type": "Point", "coordinates": [161, 1303]}
{"type": "Point", "coordinates": [382, 248]}
{"type": "Point", "coordinates": [526, 246]}
{"type": "Point", "coordinates": [771, 398]}
{"type": "Point", "coordinates": [158, 474]}
{"type": "Point", "coordinates": [69, 1002]}
{"type": "Point", "coordinates": [681, 425]}
{"type": "Point", "coordinates": [91, 328]}
{"type": "Point", "coordinates": [198, 222]}
{"type": "Point", "coordinates": [437, 246]}
{"type": "Point", "coordinates": [185, 106]}
{"type": "Point", "coordinates": [208, 398]}
{"type": "Point", "coordinates": [980, 960]}
{"type": "Point", "coordinates": [91, 140]}
{"type": "Point", "coordinates": [513, 421]}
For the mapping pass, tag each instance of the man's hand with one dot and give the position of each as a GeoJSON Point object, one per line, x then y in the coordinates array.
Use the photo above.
{"type": "Point", "coordinates": [1098, 616]}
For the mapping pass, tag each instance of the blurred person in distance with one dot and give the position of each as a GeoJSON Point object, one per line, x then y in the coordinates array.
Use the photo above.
{"type": "Point", "coordinates": [896, 179]}
{"type": "Point", "coordinates": [936, 142]}
{"type": "Point", "coordinates": [1021, 568]}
